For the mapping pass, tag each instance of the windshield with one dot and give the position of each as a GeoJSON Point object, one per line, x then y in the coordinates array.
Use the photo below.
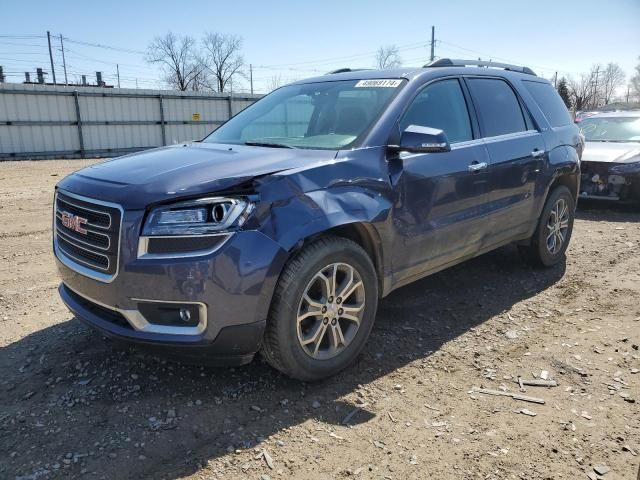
{"type": "Point", "coordinates": [324, 115]}
{"type": "Point", "coordinates": [611, 129]}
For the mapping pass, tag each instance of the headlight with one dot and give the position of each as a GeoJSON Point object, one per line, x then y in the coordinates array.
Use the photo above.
{"type": "Point", "coordinates": [626, 168]}
{"type": "Point", "coordinates": [198, 217]}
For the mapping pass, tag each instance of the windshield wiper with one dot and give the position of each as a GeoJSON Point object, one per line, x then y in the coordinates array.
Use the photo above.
{"type": "Point", "coordinates": [268, 144]}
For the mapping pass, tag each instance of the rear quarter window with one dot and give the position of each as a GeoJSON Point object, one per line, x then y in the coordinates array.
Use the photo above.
{"type": "Point", "coordinates": [549, 102]}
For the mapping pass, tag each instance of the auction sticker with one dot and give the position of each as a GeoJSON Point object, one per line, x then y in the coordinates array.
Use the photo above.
{"type": "Point", "coordinates": [379, 83]}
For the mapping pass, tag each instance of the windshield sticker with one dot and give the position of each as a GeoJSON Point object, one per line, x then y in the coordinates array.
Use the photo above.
{"type": "Point", "coordinates": [379, 83]}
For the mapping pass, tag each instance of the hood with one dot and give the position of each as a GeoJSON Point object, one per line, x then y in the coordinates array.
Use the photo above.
{"type": "Point", "coordinates": [140, 179]}
{"type": "Point", "coordinates": [611, 152]}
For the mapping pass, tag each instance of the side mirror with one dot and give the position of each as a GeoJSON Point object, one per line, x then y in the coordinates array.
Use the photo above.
{"type": "Point", "coordinates": [417, 139]}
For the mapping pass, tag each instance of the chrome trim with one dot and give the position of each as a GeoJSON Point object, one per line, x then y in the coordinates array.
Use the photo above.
{"type": "Point", "coordinates": [68, 238]}
{"type": "Point", "coordinates": [72, 262]}
{"type": "Point", "coordinates": [78, 197]}
{"type": "Point", "coordinates": [475, 167]}
{"type": "Point", "coordinates": [143, 246]}
{"type": "Point", "coordinates": [59, 217]}
{"type": "Point", "coordinates": [509, 136]}
{"type": "Point", "coordinates": [497, 138]}
{"type": "Point", "coordinates": [78, 267]}
{"type": "Point", "coordinates": [139, 323]}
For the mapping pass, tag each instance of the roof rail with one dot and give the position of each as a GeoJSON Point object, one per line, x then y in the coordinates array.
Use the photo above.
{"type": "Point", "coordinates": [345, 70]}
{"type": "Point", "coordinates": [450, 62]}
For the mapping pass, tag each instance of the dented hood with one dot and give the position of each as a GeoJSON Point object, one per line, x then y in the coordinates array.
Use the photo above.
{"type": "Point", "coordinates": [611, 152]}
{"type": "Point", "coordinates": [137, 180]}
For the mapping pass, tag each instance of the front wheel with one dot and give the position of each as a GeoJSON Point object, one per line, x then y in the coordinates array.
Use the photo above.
{"type": "Point", "coordinates": [551, 239]}
{"type": "Point", "coordinates": [322, 311]}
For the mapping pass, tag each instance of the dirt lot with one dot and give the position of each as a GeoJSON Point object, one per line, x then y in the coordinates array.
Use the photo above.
{"type": "Point", "coordinates": [74, 405]}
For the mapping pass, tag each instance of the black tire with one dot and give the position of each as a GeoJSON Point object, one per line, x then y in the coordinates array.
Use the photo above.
{"type": "Point", "coordinates": [281, 347]}
{"type": "Point", "coordinates": [538, 251]}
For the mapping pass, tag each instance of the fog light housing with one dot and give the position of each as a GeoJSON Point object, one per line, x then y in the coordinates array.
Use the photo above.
{"type": "Point", "coordinates": [170, 314]}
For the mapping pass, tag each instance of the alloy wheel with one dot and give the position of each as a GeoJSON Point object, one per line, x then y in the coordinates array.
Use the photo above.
{"type": "Point", "coordinates": [557, 226]}
{"type": "Point", "coordinates": [330, 311]}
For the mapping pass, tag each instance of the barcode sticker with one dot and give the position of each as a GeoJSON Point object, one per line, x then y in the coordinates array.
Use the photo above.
{"type": "Point", "coordinates": [379, 83]}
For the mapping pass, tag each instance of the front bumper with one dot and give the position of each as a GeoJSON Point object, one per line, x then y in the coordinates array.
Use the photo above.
{"type": "Point", "coordinates": [609, 181]}
{"type": "Point", "coordinates": [231, 287]}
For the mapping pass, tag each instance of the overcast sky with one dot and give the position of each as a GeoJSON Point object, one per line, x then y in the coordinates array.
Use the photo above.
{"type": "Point", "coordinates": [295, 40]}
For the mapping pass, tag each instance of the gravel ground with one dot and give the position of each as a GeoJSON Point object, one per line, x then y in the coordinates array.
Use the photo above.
{"type": "Point", "coordinates": [75, 405]}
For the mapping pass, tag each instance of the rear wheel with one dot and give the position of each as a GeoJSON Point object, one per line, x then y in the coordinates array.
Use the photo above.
{"type": "Point", "coordinates": [323, 310]}
{"type": "Point", "coordinates": [550, 241]}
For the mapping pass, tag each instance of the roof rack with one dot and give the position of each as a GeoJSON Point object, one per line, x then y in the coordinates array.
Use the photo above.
{"type": "Point", "coordinates": [450, 62]}
{"type": "Point", "coordinates": [345, 70]}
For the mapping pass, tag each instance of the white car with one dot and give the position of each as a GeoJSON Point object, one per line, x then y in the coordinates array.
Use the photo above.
{"type": "Point", "coordinates": [611, 157]}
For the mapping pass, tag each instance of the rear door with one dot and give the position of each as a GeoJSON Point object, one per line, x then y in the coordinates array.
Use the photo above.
{"type": "Point", "coordinates": [516, 152]}
{"type": "Point", "coordinates": [440, 213]}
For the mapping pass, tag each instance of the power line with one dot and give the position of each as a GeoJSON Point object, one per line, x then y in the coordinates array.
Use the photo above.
{"type": "Point", "coordinates": [108, 47]}
{"type": "Point", "coordinates": [23, 36]}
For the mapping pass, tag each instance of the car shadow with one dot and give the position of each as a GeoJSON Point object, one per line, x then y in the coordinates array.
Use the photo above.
{"type": "Point", "coordinates": [608, 211]}
{"type": "Point", "coordinates": [122, 413]}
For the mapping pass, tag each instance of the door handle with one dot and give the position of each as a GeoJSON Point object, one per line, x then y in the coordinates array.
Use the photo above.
{"type": "Point", "coordinates": [477, 166]}
{"type": "Point", "coordinates": [537, 153]}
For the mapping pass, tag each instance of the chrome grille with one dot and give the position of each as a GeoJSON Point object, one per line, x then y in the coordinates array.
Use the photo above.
{"type": "Point", "coordinates": [90, 238]}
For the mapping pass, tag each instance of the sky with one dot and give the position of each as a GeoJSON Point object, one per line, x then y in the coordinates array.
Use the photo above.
{"type": "Point", "coordinates": [295, 40]}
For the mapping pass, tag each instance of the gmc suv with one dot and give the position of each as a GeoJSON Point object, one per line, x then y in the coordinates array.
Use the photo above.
{"type": "Point", "coordinates": [280, 230]}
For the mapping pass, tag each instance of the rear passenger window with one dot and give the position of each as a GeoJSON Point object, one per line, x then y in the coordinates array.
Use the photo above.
{"type": "Point", "coordinates": [441, 105]}
{"type": "Point", "coordinates": [549, 102]}
{"type": "Point", "coordinates": [498, 107]}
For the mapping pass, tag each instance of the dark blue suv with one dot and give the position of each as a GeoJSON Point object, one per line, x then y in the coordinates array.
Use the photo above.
{"type": "Point", "coordinates": [280, 231]}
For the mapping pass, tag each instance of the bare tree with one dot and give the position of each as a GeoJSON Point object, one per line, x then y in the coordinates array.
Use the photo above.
{"type": "Point", "coordinates": [612, 77]}
{"type": "Point", "coordinates": [584, 91]}
{"type": "Point", "coordinates": [276, 81]}
{"type": "Point", "coordinates": [221, 56]}
{"type": "Point", "coordinates": [388, 57]}
{"type": "Point", "coordinates": [635, 82]}
{"type": "Point", "coordinates": [202, 80]}
{"type": "Point", "coordinates": [177, 57]}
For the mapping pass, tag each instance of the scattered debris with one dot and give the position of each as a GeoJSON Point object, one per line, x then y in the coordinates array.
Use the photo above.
{"type": "Point", "coordinates": [511, 334]}
{"type": "Point", "coordinates": [524, 411]}
{"type": "Point", "coordinates": [267, 458]}
{"type": "Point", "coordinates": [515, 396]}
{"type": "Point", "coordinates": [537, 383]}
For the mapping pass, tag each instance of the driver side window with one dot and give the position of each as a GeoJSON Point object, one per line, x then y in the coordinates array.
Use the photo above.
{"type": "Point", "coordinates": [441, 105]}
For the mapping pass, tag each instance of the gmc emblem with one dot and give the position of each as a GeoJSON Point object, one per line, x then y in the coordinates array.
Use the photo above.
{"type": "Point", "coordinates": [74, 222]}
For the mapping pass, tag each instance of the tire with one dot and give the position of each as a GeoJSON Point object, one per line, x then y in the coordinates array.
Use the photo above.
{"type": "Point", "coordinates": [539, 251]}
{"type": "Point", "coordinates": [285, 334]}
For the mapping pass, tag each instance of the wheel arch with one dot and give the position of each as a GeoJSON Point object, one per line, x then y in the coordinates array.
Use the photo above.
{"type": "Point", "coordinates": [362, 233]}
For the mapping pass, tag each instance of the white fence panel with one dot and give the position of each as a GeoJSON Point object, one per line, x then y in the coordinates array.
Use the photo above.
{"type": "Point", "coordinates": [43, 121]}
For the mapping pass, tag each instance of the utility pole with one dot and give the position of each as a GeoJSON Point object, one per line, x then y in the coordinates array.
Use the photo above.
{"type": "Point", "coordinates": [251, 77]}
{"type": "Point", "coordinates": [118, 72]}
{"type": "Point", "coordinates": [53, 72]}
{"type": "Point", "coordinates": [628, 89]}
{"type": "Point", "coordinates": [64, 62]}
{"type": "Point", "coordinates": [595, 87]}
{"type": "Point", "coordinates": [433, 42]}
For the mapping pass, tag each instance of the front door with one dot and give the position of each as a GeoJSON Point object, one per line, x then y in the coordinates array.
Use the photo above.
{"type": "Point", "coordinates": [440, 212]}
